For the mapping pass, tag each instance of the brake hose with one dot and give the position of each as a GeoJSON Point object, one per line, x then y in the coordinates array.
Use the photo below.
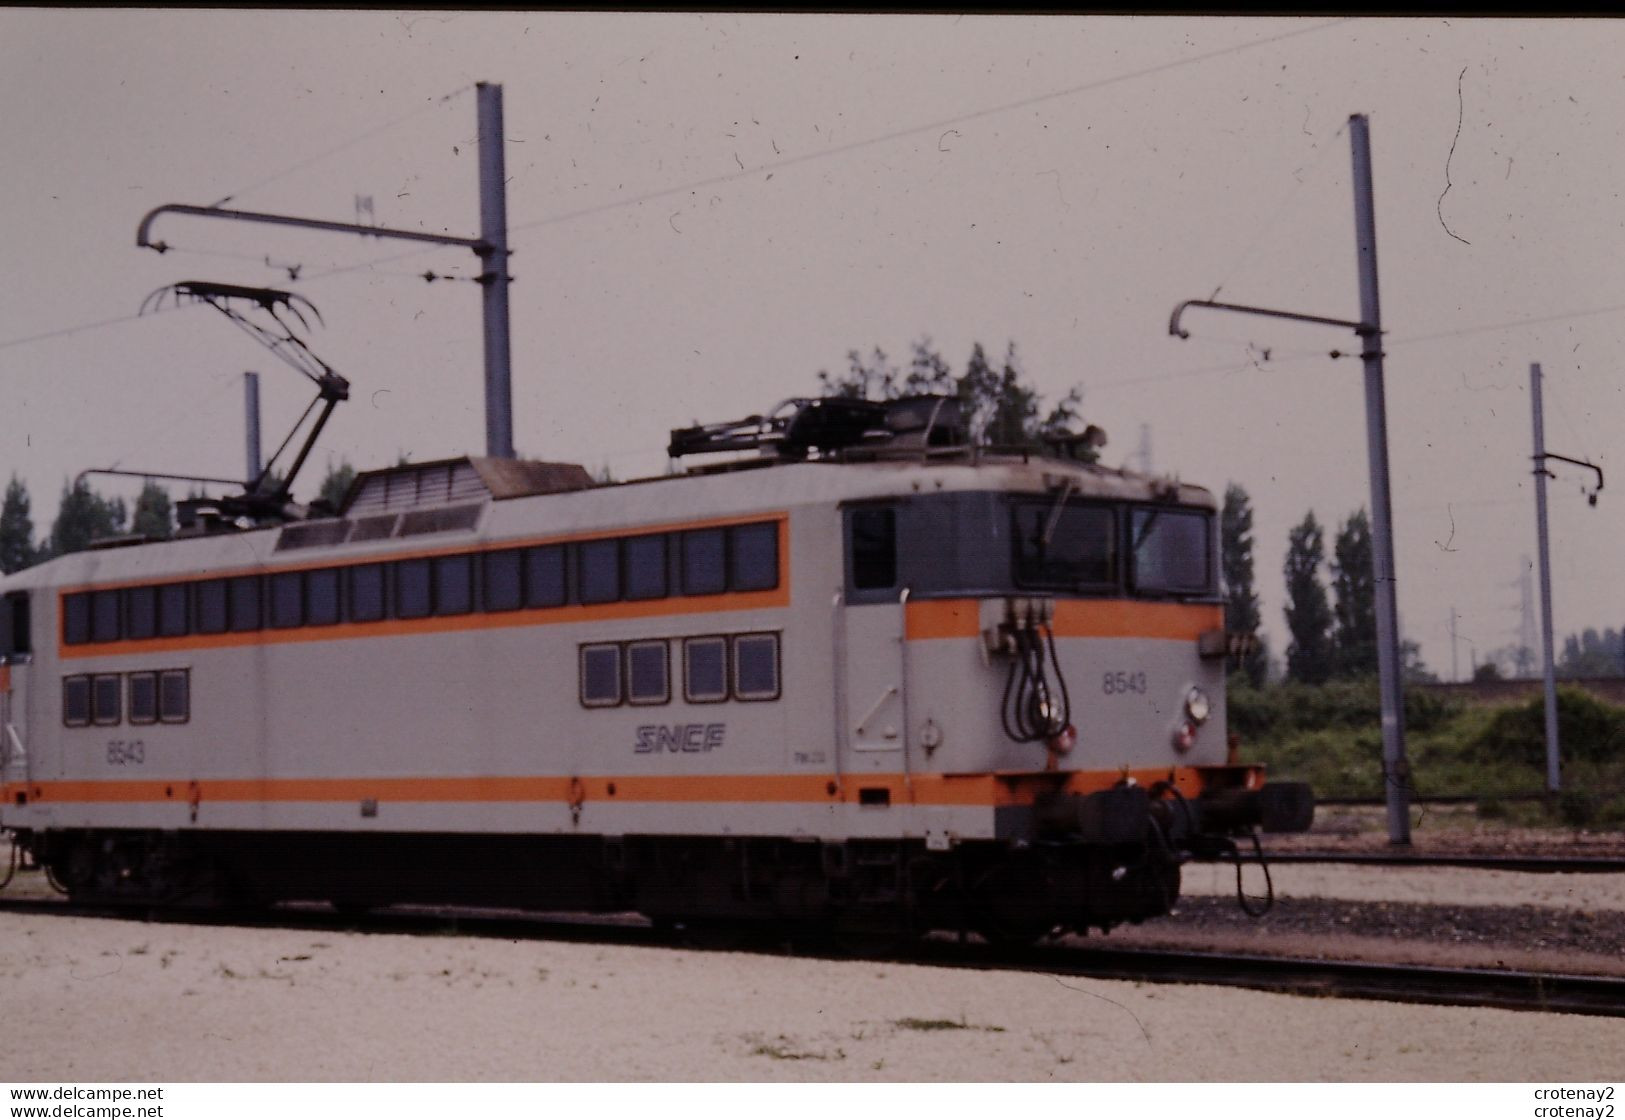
{"type": "Point", "coordinates": [1028, 710]}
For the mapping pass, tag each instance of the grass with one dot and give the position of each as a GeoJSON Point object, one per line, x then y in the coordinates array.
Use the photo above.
{"type": "Point", "coordinates": [1330, 737]}
{"type": "Point", "coordinates": [911, 1024]}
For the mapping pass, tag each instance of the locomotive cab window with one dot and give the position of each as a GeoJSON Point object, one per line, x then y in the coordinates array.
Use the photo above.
{"type": "Point", "coordinates": [1172, 552]}
{"type": "Point", "coordinates": [16, 635]}
{"type": "Point", "coordinates": [1065, 545]}
{"type": "Point", "coordinates": [871, 536]}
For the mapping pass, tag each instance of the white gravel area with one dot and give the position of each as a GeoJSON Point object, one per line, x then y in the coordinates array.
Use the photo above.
{"type": "Point", "coordinates": [101, 1000]}
{"type": "Point", "coordinates": [1442, 886]}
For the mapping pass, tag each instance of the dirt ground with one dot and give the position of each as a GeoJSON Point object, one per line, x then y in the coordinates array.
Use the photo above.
{"type": "Point", "coordinates": [110, 1000]}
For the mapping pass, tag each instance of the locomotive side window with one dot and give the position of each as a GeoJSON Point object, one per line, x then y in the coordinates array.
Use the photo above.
{"type": "Point", "coordinates": [175, 695]}
{"type": "Point", "coordinates": [174, 619]}
{"type": "Point", "coordinates": [16, 634]}
{"type": "Point", "coordinates": [500, 575]}
{"type": "Point", "coordinates": [104, 616]}
{"type": "Point", "coordinates": [872, 539]}
{"type": "Point", "coordinates": [106, 699]}
{"type": "Point", "coordinates": [600, 676]}
{"type": "Point", "coordinates": [245, 603]}
{"type": "Point", "coordinates": [366, 593]}
{"type": "Point", "coordinates": [140, 612]}
{"type": "Point", "coordinates": [648, 679]}
{"type": "Point", "coordinates": [76, 701]}
{"type": "Point", "coordinates": [76, 619]}
{"type": "Point", "coordinates": [598, 572]}
{"type": "Point", "coordinates": [704, 562]}
{"type": "Point", "coordinates": [211, 606]}
{"type": "Point", "coordinates": [545, 585]}
{"type": "Point", "coordinates": [287, 600]}
{"type": "Point", "coordinates": [754, 557]}
{"type": "Point", "coordinates": [1171, 552]}
{"type": "Point", "coordinates": [756, 667]}
{"type": "Point", "coordinates": [1066, 546]}
{"type": "Point", "coordinates": [646, 567]}
{"type": "Point", "coordinates": [453, 584]}
{"type": "Point", "coordinates": [143, 697]}
{"type": "Point", "coordinates": [705, 670]}
{"type": "Point", "coordinates": [413, 597]}
{"type": "Point", "coordinates": [322, 597]}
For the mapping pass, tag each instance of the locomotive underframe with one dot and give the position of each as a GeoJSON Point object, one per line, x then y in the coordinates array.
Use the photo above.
{"type": "Point", "coordinates": [1000, 889]}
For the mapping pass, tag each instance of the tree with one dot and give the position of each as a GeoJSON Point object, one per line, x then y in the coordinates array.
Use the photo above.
{"type": "Point", "coordinates": [154, 515]}
{"type": "Point", "coordinates": [1309, 656]}
{"type": "Point", "coordinates": [16, 529]}
{"type": "Point", "coordinates": [337, 484]}
{"type": "Point", "coordinates": [1001, 409]}
{"type": "Point", "coordinates": [1590, 654]}
{"type": "Point", "coordinates": [1241, 604]}
{"type": "Point", "coordinates": [84, 516]}
{"type": "Point", "coordinates": [1413, 670]}
{"type": "Point", "coordinates": [1354, 638]}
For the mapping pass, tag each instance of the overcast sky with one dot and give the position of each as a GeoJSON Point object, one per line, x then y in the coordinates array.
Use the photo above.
{"type": "Point", "coordinates": [706, 210]}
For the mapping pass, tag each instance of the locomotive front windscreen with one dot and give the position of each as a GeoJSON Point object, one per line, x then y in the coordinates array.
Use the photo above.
{"type": "Point", "coordinates": [990, 543]}
{"type": "Point", "coordinates": [1065, 545]}
{"type": "Point", "coordinates": [1171, 552]}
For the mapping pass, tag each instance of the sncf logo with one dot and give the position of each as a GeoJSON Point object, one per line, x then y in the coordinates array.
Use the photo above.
{"type": "Point", "coordinates": [658, 738]}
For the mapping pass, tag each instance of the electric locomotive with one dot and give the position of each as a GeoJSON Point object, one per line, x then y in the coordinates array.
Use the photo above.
{"type": "Point", "coordinates": [862, 674]}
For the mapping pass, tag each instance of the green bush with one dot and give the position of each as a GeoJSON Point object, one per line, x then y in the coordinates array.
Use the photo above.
{"type": "Point", "coordinates": [1275, 710]}
{"type": "Point", "coordinates": [1587, 730]}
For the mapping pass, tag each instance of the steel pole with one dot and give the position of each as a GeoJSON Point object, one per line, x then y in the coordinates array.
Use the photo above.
{"type": "Point", "coordinates": [1553, 775]}
{"type": "Point", "coordinates": [494, 280]}
{"type": "Point", "coordinates": [1396, 767]}
{"type": "Point", "coordinates": [251, 416]}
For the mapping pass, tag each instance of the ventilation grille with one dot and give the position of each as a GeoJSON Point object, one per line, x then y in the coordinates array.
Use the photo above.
{"type": "Point", "coordinates": [446, 519]}
{"type": "Point", "coordinates": [373, 528]}
{"type": "Point", "coordinates": [417, 523]}
{"type": "Point", "coordinates": [312, 534]}
{"type": "Point", "coordinates": [403, 488]}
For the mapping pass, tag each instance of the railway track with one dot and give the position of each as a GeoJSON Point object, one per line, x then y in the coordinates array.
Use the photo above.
{"type": "Point", "coordinates": [1464, 987]}
{"type": "Point", "coordinates": [1572, 865]}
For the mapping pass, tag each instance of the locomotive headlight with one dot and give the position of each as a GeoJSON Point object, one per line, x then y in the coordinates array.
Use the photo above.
{"type": "Point", "coordinates": [1197, 706]}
